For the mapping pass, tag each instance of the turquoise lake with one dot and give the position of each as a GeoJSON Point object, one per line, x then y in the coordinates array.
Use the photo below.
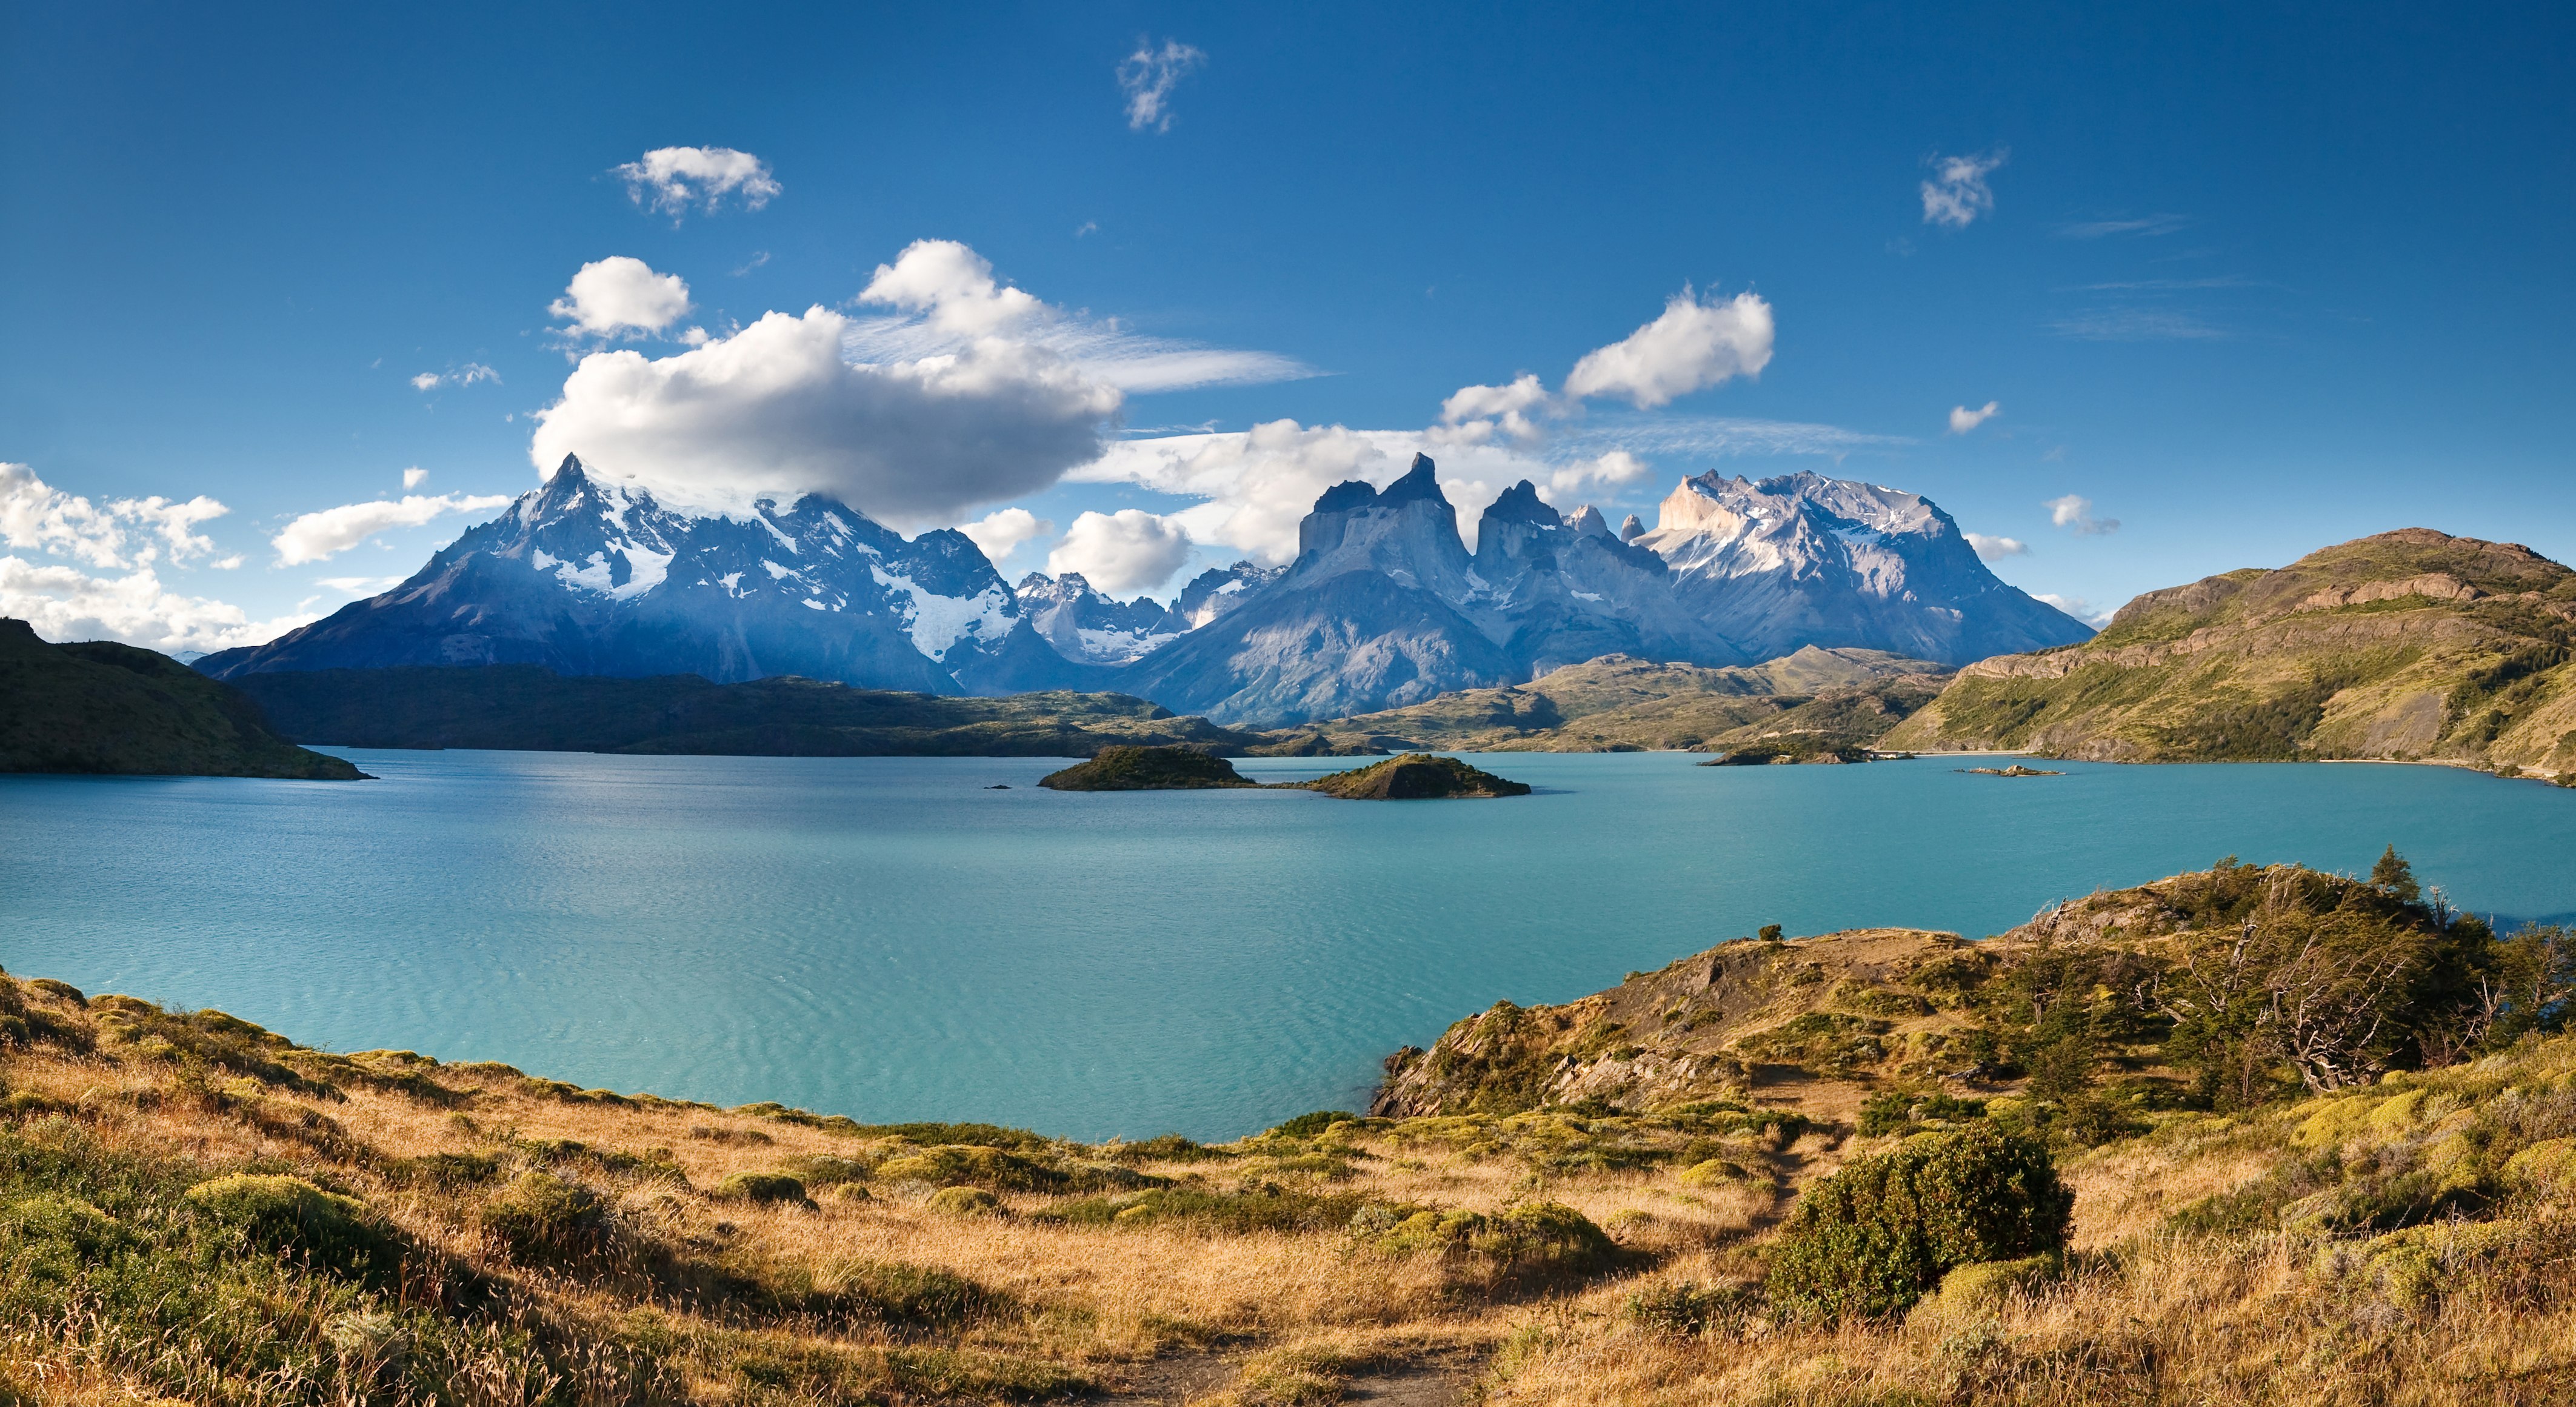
{"type": "Point", "coordinates": [886, 938]}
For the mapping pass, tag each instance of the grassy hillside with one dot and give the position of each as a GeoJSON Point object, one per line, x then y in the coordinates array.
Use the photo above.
{"type": "Point", "coordinates": [2410, 645]}
{"type": "Point", "coordinates": [2317, 1138]}
{"type": "Point", "coordinates": [1618, 703]}
{"type": "Point", "coordinates": [102, 707]}
{"type": "Point", "coordinates": [526, 707]}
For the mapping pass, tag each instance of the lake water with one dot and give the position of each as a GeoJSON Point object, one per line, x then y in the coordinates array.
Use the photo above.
{"type": "Point", "coordinates": [886, 938]}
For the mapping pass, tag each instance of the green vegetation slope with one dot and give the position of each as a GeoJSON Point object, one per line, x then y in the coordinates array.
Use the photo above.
{"type": "Point", "coordinates": [2407, 646]}
{"type": "Point", "coordinates": [104, 707]}
{"type": "Point", "coordinates": [1618, 703]}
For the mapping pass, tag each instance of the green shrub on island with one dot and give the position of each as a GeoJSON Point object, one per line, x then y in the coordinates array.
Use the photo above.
{"type": "Point", "coordinates": [965, 1202]}
{"type": "Point", "coordinates": [971, 1166]}
{"type": "Point", "coordinates": [1871, 1240]}
{"type": "Point", "coordinates": [1415, 777]}
{"type": "Point", "coordinates": [541, 1217]}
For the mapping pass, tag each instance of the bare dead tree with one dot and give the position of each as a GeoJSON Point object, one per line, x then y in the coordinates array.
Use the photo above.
{"type": "Point", "coordinates": [2329, 1005]}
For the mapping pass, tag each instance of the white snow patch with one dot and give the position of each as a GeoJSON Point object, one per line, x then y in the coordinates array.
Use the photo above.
{"type": "Point", "coordinates": [938, 622]}
{"type": "Point", "coordinates": [777, 572]}
{"type": "Point", "coordinates": [731, 582]}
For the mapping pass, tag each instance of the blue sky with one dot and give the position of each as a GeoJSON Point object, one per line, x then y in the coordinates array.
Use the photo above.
{"type": "Point", "coordinates": [2245, 280]}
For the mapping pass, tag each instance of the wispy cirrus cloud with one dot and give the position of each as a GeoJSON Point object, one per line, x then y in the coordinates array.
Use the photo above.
{"type": "Point", "coordinates": [2138, 325]}
{"type": "Point", "coordinates": [2140, 227]}
{"type": "Point", "coordinates": [1148, 76]}
{"type": "Point", "coordinates": [1957, 195]}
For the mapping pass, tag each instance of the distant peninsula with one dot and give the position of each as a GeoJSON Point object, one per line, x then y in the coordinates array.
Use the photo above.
{"type": "Point", "coordinates": [524, 707]}
{"type": "Point", "coordinates": [102, 707]}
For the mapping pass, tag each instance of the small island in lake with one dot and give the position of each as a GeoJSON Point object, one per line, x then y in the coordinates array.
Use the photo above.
{"type": "Point", "coordinates": [1415, 776]}
{"type": "Point", "coordinates": [2015, 770]}
{"type": "Point", "coordinates": [1147, 769]}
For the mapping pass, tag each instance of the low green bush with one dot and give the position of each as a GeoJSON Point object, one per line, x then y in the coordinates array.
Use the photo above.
{"type": "Point", "coordinates": [1309, 1125]}
{"type": "Point", "coordinates": [964, 1201]}
{"type": "Point", "coordinates": [1270, 1208]}
{"type": "Point", "coordinates": [971, 1165]}
{"type": "Point", "coordinates": [542, 1217]}
{"type": "Point", "coordinates": [1873, 1238]}
{"type": "Point", "coordinates": [761, 1187]}
{"type": "Point", "coordinates": [1530, 1236]}
{"type": "Point", "coordinates": [288, 1214]}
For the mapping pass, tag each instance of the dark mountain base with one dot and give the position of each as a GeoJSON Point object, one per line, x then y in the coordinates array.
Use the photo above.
{"type": "Point", "coordinates": [109, 708]}
{"type": "Point", "coordinates": [527, 708]}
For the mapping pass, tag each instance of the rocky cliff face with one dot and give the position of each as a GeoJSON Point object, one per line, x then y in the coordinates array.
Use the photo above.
{"type": "Point", "coordinates": [2411, 645]}
{"type": "Point", "coordinates": [590, 576]}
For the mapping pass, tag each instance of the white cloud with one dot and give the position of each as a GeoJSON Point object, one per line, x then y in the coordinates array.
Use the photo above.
{"type": "Point", "coordinates": [1147, 78]}
{"type": "Point", "coordinates": [1128, 551]}
{"type": "Point", "coordinates": [2077, 607]}
{"type": "Point", "coordinates": [2144, 227]}
{"type": "Point", "coordinates": [2076, 511]}
{"type": "Point", "coordinates": [465, 375]}
{"type": "Point", "coordinates": [359, 585]}
{"type": "Point", "coordinates": [1957, 193]}
{"type": "Point", "coordinates": [1000, 534]}
{"type": "Point", "coordinates": [1692, 346]}
{"type": "Point", "coordinates": [65, 603]}
{"type": "Point", "coordinates": [1487, 408]}
{"type": "Point", "coordinates": [949, 298]}
{"type": "Point", "coordinates": [1608, 470]}
{"type": "Point", "coordinates": [2138, 325]}
{"type": "Point", "coordinates": [36, 515]}
{"type": "Point", "coordinates": [671, 179]}
{"type": "Point", "coordinates": [1963, 420]}
{"type": "Point", "coordinates": [317, 536]}
{"type": "Point", "coordinates": [1997, 548]}
{"type": "Point", "coordinates": [620, 296]}
{"type": "Point", "coordinates": [774, 408]}
{"type": "Point", "coordinates": [414, 477]}
{"type": "Point", "coordinates": [953, 287]}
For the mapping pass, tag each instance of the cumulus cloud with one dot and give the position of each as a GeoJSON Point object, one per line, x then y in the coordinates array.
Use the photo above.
{"type": "Point", "coordinates": [775, 408]}
{"type": "Point", "coordinates": [1000, 534]}
{"type": "Point", "coordinates": [1692, 346]}
{"type": "Point", "coordinates": [123, 532]}
{"type": "Point", "coordinates": [1611, 470]}
{"type": "Point", "coordinates": [947, 297]}
{"type": "Point", "coordinates": [671, 179]}
{"type": "Point", "coordinates": [953, 287]}
{"type": "Point", "coordinates": [1148, 76]}
{"type": "Point", "coordinates": [619, 297]}
{"type": "Point", "coordinates": [1963, 420]}
{"type": "Point", "coordinates": [414, 477]}
{"type": "Point", "coordinates": [1957, 193]}
{"type": "Point", "coordinates": [2077, 607]}
{"type": "Point", "coordinates": [315, 537]}
{"type": "Point", "coordinates": [1128, 551]}
{"type": "Point", "coordinates": [1480, 410]}
{"type": "Point", "coordinates": [2076, 511]}
{"type": "Point", "coordinates": [65, 603]}
{"type": "Point", "coordinates": [1997, 548]}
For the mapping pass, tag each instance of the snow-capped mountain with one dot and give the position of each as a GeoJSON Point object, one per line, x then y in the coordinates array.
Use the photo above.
{"type": "Point", "coordinates": [1383, 606]}
{"type": "Point", "coordinates": [586, 575]}
{"type": "Point", "coordinates": [1084, 625]}
{"type": "Point", "coordinates": [1807, 560]}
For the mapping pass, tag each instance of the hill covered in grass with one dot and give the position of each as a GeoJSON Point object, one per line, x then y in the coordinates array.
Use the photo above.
{"type": "Point", "coordinates": [101, 707]}
{"type": "Point", "coordinates": [1415, 777]}
{"type": "Point", "coordinates": [525, 707]}
{"type": "Point", "coordinates": [2252, 1135]}
{"type": "Point", "coordinates": [1147, 769]}
{"type": "Point", "coordinates": [1619, 703]}
{"type": "Point", "coordinates": [2408, 646]}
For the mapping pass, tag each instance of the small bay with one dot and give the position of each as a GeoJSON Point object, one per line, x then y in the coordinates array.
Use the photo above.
{"type": "Point", "coordinates": [892, 939]}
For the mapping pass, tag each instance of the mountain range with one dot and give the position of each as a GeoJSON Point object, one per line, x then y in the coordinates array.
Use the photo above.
{"type": "Point", "coordinates": [1383, 606]}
